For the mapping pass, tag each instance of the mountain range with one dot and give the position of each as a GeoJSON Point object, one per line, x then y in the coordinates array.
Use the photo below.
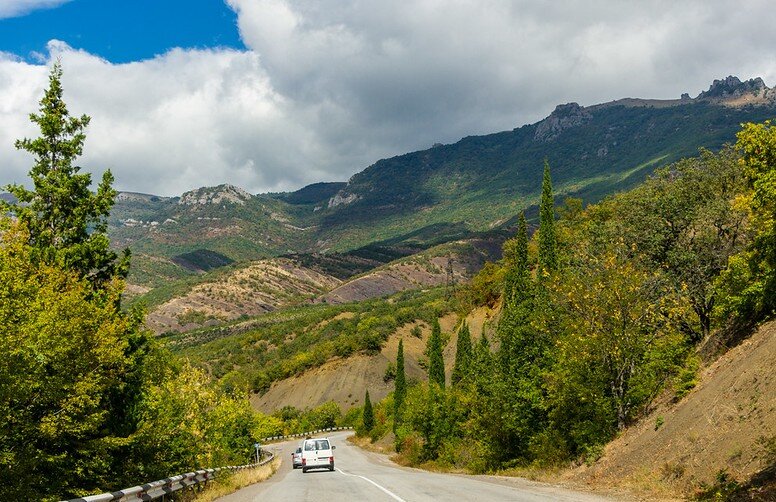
{"type": "Point", "coordinates": [410, 202]}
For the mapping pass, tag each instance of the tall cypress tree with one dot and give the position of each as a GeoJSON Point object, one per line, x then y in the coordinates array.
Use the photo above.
{"type": "Point", "coordinates": [517, 274]}
{"type": "Point", "coordinates": [400, 383]}
{"type": "Point", "coordinates": [369, 414]}
{"type": "Point", "coordinates": [436, 363]}
{"type": "Point", "coordinates": [67, 223]}
{"type": "Point", "coordinates": [548, 253]}
{"type": "Point", "coordinates": [463, 355]}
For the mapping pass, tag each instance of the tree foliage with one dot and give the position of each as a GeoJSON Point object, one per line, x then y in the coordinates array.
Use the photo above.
{"type": "Point", "coordinates": [752, 279]}
{"type": "Point", "coordinates": [463, 355]}
{"type": "Point", "coordinates": [88, 402]}
{"type": "Point", "coordinates": [548, 243]}
{"type": "Point", "coordinates": [400, 386]}
{"type": "Point", "coordinates": [368, 417]}
{"type": "Point", "coordinates": [584, 348]}
{"type": "Point", "coordinates": [67, 223]}
{"type": "Point", "coordinates": [436, 363]}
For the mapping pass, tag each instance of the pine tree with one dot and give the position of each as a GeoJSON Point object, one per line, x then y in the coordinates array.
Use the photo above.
{"type": "Point", "coordinates": [369, 415]}
{"type": "Point", "coordinates": [548, 254]}
{"type": "Point", "coordinates": [463, 355]}
{"type": "Point", "coordinates": [436, 363]}
{"type": "Point", "coordinates": [67, 223]}
{"type": "Point", "coordinates": [400, 383]}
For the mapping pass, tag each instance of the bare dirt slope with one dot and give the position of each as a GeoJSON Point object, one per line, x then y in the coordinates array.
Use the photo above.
{"type": "Point", "coordinates": [345, 381]}
{"type": "Point", "coordinates": [260, 287]}
{"type": "Point", "coordinates": [455, 263]}
{"type": "Point", "coordinates": [718, 426]}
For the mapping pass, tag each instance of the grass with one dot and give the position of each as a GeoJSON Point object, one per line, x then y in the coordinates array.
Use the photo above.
{"type": "Point", "coordinates": [240, 479]}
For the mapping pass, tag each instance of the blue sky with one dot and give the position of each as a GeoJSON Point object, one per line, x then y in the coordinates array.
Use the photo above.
{"type": "Point", "coordinates": [271, 95]}
{"type": "Point", "coordinates": [122, 30]}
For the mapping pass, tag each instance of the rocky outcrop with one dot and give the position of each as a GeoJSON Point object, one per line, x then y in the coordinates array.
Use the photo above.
{"type": "Point", "coordinates": [732, 87]}
{"type": "Point", "coordinates": [562, 118]}
{"type": "Point", "coordinates": [139, 197]}
{"type": "Point", "coordinates": [222, 194]}
{"type": "Point", "coordinates": [343, 198]}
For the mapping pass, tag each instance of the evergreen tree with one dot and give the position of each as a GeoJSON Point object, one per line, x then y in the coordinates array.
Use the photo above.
{"type": "Point", "coordinates": [436, 363]}
{"type": "Point", "coordinates": [516, 258]}
{"type": "Point", "coordinates": [548, 254]}
{"type": "Point", "coordinates": [67, 223]}
{"type": "Point", "coordinates": [400, 383]}
{"type": "Point", "coordinates": [369, 414]}
{"type": "Point", "coordinates": [463, 355]}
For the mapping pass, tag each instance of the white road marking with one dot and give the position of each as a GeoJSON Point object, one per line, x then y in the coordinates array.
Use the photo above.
{"type": "Point", "coordinates": [386, 490]}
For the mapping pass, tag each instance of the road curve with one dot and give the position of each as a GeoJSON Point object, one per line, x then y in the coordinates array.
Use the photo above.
{"type": "Point", "coordinates": [367, 476]}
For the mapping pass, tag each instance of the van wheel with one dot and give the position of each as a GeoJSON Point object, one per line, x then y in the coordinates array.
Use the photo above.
{"type": "Point", "coordinates": [331, 468]}
{"type": "Point", "coordinates": [304, 470]}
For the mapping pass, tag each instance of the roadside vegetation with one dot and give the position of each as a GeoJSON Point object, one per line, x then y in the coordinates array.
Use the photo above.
{"type": "Point", "coordinates": [602, 310]}
{"type": "Point", "coordinates": [89, 401]}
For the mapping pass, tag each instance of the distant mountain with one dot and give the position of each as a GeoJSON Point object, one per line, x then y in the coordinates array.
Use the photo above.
{"type": "Point", "coordinates": [483, 181]}
{"type": "Point", "coordinates": [444, 193]}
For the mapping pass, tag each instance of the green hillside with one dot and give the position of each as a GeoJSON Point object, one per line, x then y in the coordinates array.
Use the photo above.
{"type": "Point", "coordinates": [481, 181]}
{"type": "Point", "coordinates": [420, 199]}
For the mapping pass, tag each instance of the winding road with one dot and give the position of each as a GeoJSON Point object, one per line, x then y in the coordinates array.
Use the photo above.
{"type": "Point", "coordinates": [361, 475]}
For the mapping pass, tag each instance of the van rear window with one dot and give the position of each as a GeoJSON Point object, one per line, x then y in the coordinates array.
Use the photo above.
{"type": "Point", "coordinates": [316, 444]}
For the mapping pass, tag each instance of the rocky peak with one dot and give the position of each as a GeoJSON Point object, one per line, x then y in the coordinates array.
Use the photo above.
{"type": "Point", "coordinates": [222, 194]}
{"type": "Point", "coordinates": [732, 87]}
{"type": "Point", "coordinates": [562, 118]}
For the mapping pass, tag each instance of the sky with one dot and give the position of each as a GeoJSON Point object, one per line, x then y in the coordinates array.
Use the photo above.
{"type": "Point", "coordinates": [271, 95]}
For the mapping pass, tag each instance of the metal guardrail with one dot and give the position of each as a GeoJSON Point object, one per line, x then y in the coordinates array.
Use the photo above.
{"type": "Point", "coordinates": [157, 489]}
{"type": "Point", "coordinates": [305, 434]}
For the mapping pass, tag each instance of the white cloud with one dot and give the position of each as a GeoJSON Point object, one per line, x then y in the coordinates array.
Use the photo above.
{"type": "Point", "coordinates": [14, 8]}
{"type": "Point", "coordinates": [329, 87]}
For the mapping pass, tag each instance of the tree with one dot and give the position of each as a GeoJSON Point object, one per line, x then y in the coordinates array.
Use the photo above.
{"type": "Point", "coordinates": [62, 352]}
{"type": "Point", "coordinates": [520, 355]}
{"type": "Point", "coordinates": [67, 223]}
{"type": "Point", "coordinates": [463, 355]}
{"type": "Point", "coordinates": [681, 220]}
{"type": "Point", "coordinates": [369, 414]}
{"type": "Point", "coordinates": [548, 253]}
{"type": "Point", "coordinates": [400, 383]}
{"type": "Point", "coordinates": [436, 363]}
{"type": "Point", "coordinates": [618, 343]}
{"type": "Point", "coordinates": [754, 295]}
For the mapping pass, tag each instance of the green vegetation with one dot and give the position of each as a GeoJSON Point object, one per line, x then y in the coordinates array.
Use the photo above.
{"type": "Point", "coordinates": [640, 281]}
{"type": "Point", "coordinates": [424, 198]}
{"type": "Point", "coordinates": [368, 417]}
{"type": "Point", "coordinates": [436, 364]}
{"type": "Point", "coordinates": [251, 355]}
{"type": "Point", "coordinates": [548, 254]}
{"type": "Point", "coordinates": [400, 386]}
{"type": "Point", "coordinates": [66, 222]}
{"type": "Point", "coordinates": [751, 279]}
{"type": "Point", "coordinates": [463, 355]}
{"type": "Point", "coordinates": [88, 401]}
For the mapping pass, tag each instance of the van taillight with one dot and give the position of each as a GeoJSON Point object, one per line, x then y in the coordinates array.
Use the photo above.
{"type": "Point", "coordinates": [304, 461]}
{"type": "Point", "coordinates": [331, 460]}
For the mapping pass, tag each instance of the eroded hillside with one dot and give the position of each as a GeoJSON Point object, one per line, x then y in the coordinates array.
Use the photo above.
{"type": "Point", "coordinates": [726, 424]}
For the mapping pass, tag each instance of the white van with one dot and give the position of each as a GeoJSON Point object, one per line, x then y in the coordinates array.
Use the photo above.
{"type": "Point", "coordinates": [317, 454]}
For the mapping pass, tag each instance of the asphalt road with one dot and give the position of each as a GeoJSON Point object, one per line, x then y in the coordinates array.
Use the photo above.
{"type": "Point", "coordinates": [361, 475]}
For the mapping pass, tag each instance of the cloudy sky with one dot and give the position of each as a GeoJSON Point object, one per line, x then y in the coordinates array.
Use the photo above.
{"type": "Point", "coordinates": [271, 95]}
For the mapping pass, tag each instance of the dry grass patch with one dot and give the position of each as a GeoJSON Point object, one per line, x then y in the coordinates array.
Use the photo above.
{"type": "Point", "coordinates": [240, 479]}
